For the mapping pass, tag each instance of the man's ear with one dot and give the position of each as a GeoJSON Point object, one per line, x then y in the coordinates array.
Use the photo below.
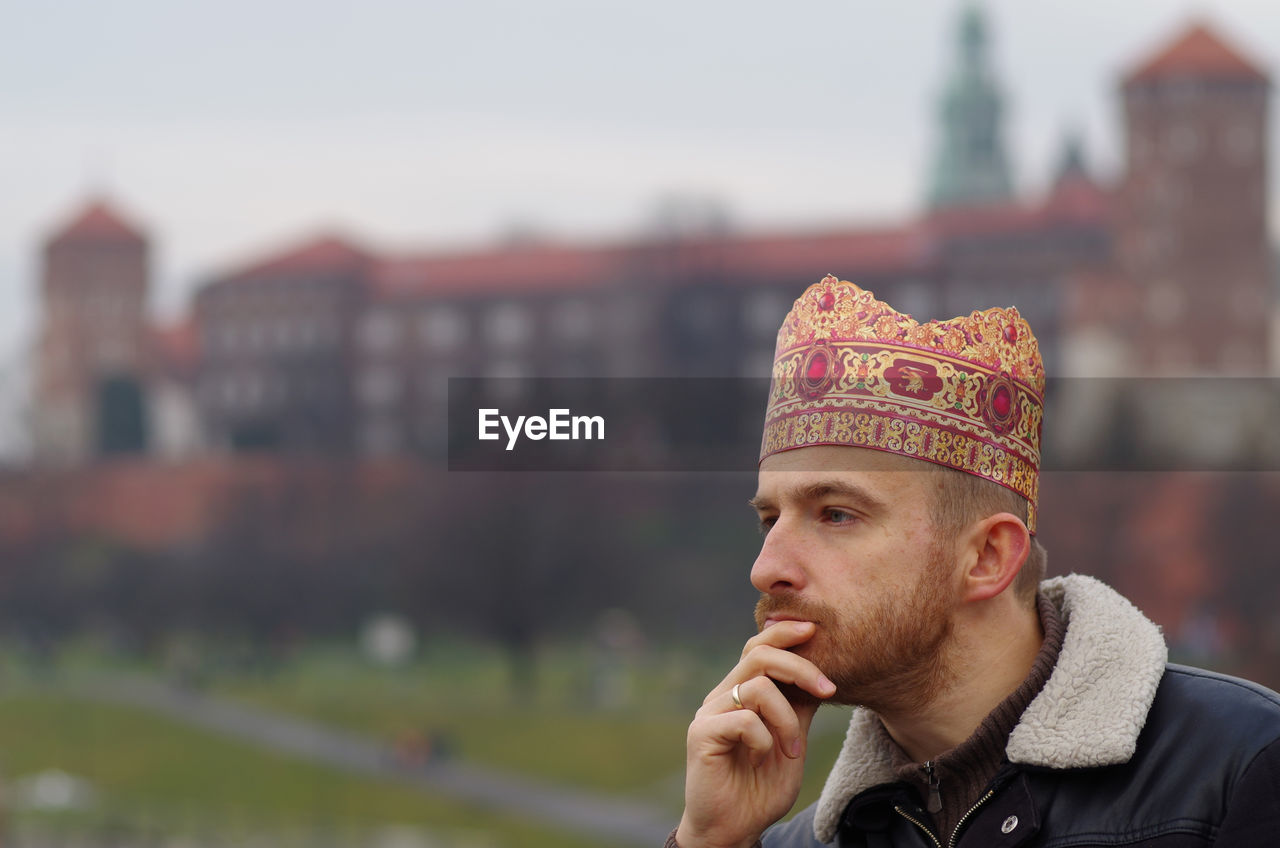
{"type": "Point", "coordinates": [995, 548]}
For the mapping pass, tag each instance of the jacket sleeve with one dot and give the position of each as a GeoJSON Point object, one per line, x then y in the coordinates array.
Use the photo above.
{"type": "Point", "coordinates": [1253, 814]}
{"type": "Point", "coordinates": [797, 833]}
{"type": "Point", "coordinates": [671, 840]}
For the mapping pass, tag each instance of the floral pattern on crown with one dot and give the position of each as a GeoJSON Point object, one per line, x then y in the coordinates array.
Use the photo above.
{"type": "Point", "coordinates": [966, 392]}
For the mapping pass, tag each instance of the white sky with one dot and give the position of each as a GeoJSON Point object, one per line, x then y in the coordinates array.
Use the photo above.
{"type": "Point", "coordinates": [233, 126]}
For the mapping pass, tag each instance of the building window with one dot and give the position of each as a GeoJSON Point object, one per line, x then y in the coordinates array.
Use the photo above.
{"type": "Point", "coordinates": [573, 322]}
{"type": "Point", "coordinates": [1247, 301]}
{"type": "Point", "coordinates": [379, 331]}
{"type": "Point", "coordinates": [1183, 143]}
{"type": "Point", "coordinates": [508, 325]}
{"type": "Point", "coordinates": [229, 336]}
{"type": "Point", "coordinates": [255, 336]}
{"type": "Point", "coordinates": [1241, 143]}
{"type": "Point", "coordinates": [286, 335]}
{"type": "Point", "coordinates": [277, 390]}
{"type": "Point", "coordinates": [443, 328]}
{"type": "Point", "coordinates": [230, 391]}
{"type": "Point", "coordinates": [379, 386]}
{"type": "Point", "coordinates": [1157, 245]}
{"type": "Point", "coordinates": [242, 392]}
{"type": "Point", "coordinates": [207, 392]}
{"type": "Point", "coordinates": [1140, 148]}
{"type": "Point", "coordinates": [330, 333]}
{"type": "Point", "coordinates": [255, 390]}
{"type": "Point", "coordinates": [434, 386]}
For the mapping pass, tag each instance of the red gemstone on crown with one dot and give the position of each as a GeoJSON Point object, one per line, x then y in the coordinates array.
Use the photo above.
{"type": "Point", "coordinates": [1002, 402]}
{"type": "Point", "coordinates": [827, 301]}
{"type": "Point", "coordinates": [817, 369]}
{"type": "Point", "coordinates": [1011, 334]}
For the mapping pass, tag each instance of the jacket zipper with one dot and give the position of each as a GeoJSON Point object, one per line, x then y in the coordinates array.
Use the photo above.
{"type": "Point", "coordinates": [935, 794]}
{"type": "Point", "coordinates": [919, 824]}
{"type": "Point", "coordinates": [955, 834]}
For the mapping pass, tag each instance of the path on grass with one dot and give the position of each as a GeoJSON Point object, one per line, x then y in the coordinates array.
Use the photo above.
{"type": "Point", "coordinates": [562, 807]}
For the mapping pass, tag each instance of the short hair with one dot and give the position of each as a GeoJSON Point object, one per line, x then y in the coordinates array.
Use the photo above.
{"type": "Point", "coordinates": [963, 498]}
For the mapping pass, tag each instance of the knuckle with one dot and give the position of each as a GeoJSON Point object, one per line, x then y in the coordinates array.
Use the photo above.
{"type": "Point", "coordinates": [699, 729]}
{"type": "Point", "coordinates": [744, 720]}
{"type": "Point", "coordinates": [760, 655]}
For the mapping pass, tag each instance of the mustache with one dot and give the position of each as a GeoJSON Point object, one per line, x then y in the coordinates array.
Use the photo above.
{"type": "Point", "coordinates": [791, 606]}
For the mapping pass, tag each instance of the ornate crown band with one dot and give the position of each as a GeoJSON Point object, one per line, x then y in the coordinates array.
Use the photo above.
{"type": "Point", "coordinates": [966, 393]}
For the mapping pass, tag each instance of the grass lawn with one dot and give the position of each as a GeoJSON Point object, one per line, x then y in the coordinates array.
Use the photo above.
{"type": "Point", "coordinates": [168, 777]}
{"type": "Point", "coordinates": [555, 731]}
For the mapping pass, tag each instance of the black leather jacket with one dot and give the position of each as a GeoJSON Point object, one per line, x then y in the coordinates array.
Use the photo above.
{"type": "Point", "coordinates": [1206, 772]}
{"type": "Point", "coordinates": [1118, 749]}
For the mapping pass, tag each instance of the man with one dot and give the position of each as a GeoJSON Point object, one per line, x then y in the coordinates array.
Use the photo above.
{"type": "Point", "coordinates": [899, 573]}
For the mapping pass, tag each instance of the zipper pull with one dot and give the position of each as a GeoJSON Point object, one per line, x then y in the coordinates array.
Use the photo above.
{"type": "Point", "coordinates": [935, 796]}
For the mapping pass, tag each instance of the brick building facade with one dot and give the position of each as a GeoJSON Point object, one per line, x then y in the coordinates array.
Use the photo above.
{"type": "Point", "coordinates": [92, 352]}
{"type": "Point", "coordinates": [330, 347]}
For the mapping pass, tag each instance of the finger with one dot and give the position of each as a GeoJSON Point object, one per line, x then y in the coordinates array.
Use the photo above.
{"type": "Point", "coordinates": [783, 634]}
{"type": "Point", "coordinates": [783, 666]}
{"type": "Point", "coordinates": [763, 696]}
{"type": "Point", "coordinates": [734, 729]}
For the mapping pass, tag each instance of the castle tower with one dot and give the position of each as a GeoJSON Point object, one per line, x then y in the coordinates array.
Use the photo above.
{"type": "Point", "coordinates": [971, 166]}
{"type": "Point", "coordinates": [88, 394]}
{"type": "Point", "coordinates": [1192, 237]}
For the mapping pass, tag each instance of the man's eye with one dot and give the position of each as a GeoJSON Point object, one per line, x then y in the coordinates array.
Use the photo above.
{"type": "Point", "coordinates": [766, 524]}
{"type": "Point", "coordinates": [839, 516]}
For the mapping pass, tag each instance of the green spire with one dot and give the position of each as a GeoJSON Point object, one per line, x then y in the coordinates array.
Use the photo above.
{"type": "Point", "coordinates": [1071, 159]}
{"type": "Point", "coordinates": [971, 166]}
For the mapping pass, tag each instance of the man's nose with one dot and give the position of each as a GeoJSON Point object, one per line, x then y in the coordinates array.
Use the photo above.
{"type": "Point", "coordinates": [780, 564]}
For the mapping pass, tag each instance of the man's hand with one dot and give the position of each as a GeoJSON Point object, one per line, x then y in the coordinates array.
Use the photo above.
{"type": "Point", "coordinates": [744, 766]}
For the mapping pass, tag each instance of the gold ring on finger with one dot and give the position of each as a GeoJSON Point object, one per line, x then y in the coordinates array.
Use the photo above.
{"type": "Point", "coordinates": [737, 697]}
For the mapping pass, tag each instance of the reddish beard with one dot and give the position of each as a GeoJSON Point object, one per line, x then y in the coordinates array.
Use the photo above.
{"type": "Point", "coordinates": [889, 656]}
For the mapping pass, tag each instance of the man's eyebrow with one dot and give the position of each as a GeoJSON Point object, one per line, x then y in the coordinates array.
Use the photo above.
{"type": "Point", "coordinates": [823, 489]}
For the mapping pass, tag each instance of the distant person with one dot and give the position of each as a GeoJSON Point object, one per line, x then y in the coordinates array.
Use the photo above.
{"type": "Point", "coordinates": [899, 572]}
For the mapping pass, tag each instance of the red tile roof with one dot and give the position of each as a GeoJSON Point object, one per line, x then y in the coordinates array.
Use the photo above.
{"type": "Point", "coordinates": [1198, 52]}
{"type": "Point", "coordinates": [98, 221]}
{"type": "Point", "coordinates": [746, 259]}
{"type": "Point", "coordinates": [329, 252]}
{"type": "Point", "coordinates": [846, 253]}
{"type": "Point", "coordinates": [534, 268]}
{"type": "Point", "coordinates": [1005, 218]}
{"type": "Point", "coordinates": [1075, 197]}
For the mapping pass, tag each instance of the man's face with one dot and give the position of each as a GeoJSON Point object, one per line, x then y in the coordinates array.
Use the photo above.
{"type": "Point", "coordinates": [850, 545]}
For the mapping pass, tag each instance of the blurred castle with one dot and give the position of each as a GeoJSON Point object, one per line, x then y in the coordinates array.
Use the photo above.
{"type": "Point", "coordinates": [328, 347]}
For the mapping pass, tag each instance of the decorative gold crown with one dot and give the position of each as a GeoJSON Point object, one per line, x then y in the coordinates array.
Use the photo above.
{"type": "Point", "coordinates": [967, 393]}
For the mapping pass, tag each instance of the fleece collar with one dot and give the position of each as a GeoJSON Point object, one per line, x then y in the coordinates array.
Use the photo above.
{"type": "Point", "coordinates": [1088, 714]}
